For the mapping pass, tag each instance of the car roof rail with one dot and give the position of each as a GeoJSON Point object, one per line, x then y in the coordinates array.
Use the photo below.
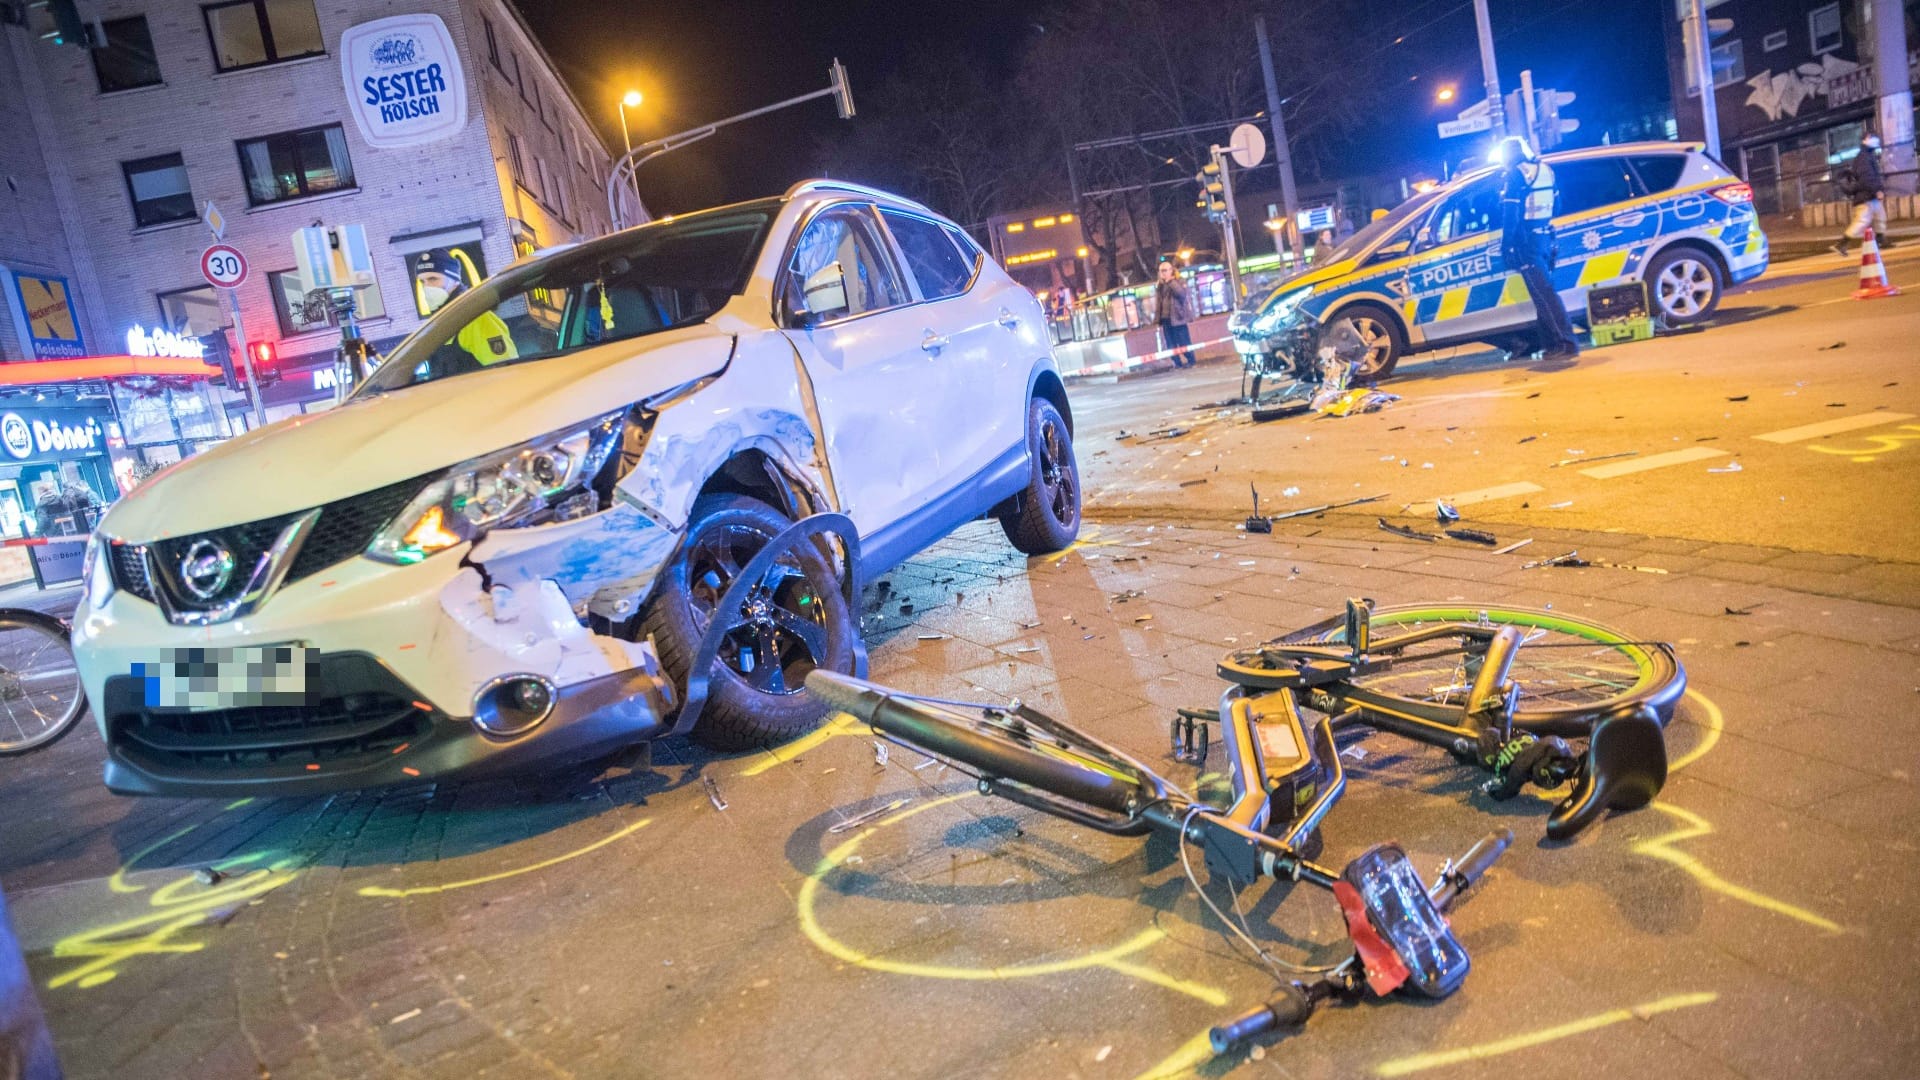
{"type": "Point", "coordinates": [822, 184]}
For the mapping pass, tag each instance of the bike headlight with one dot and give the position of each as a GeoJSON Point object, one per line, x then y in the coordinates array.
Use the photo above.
{"type": "Point", "coordinates": [1400, 912]}
{"type": "Point", "coordinates": [535, 483]}
{"type": "Point", "coordinates": [96, 572]}
{"type": "Point", "coordinates": [1268, 322]}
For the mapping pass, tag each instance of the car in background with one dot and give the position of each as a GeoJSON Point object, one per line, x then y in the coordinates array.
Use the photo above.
{"type": "Point", "coordinates": [504, 548]}
{"type": "Point", "coordinates": [1430, 274]}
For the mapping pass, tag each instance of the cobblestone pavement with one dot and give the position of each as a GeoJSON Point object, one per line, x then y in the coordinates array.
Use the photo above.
{"type": "Point", "coordinates": [614, 922]}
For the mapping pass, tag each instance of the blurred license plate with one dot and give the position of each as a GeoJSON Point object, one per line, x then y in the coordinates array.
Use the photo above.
{"type": "Point", "coordinates": [228, 678]}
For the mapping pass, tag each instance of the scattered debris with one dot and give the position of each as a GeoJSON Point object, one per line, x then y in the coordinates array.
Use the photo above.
{"type": "Point", "coordinates": [1742, 397]}
{"type": "Point", "coordinates": [1748, 610]}
{"type": "Point", "coordinates": [1473, 536]}
{"type": "Point", "coordinates": [874, 814]}
{"type": "Point", "coordinates": [405, 1016]}
{"type": "Point", "coordinates": [1193, 483]}
{"type": "Point", "coordinates": [1830, 348]}
{"type": "Point", "coordinates": [1589, 460]}
{"type": "Point", "coordinates": [1354, 753]}
{"type": "Point", "coordinates": [1530, 438]}
{"type": "Point", "coordinates": [1533, 395]}
{"type": "Point", "coordinates": [1515, 546]}
{"type": "Point", "coordinates": [1729, 467]}
{"type": "Point", "coordinates": [1101, 1055]}
{"type": "Point", "coordinates": [1280, 412]}
{"type": "Point", "coordinates": [1288, 493]}
{"type": "Point", "coordinates": [1123, 597]}
{"type": "Point", "coordinates": [933, 637]}
{"type": "Point", "coordinates": [713, 793]}
{"type": "Point", "coordinates": [1571, 558]}
{"type": "Point", "coordinates": [879, 753]}
{"type": "Point", "coordinates": [1560, 505]}
{"type": "Point", "coordinates": [1402, 530]}
{"type": "Point", "coordinates": [207, 875]}
{"type": "Point", "coordinates": [1444, 513]}
{"type": "Point", "coordinates": [1329, 506]}
{"type": "Point", "coordinates": [1836, 404]}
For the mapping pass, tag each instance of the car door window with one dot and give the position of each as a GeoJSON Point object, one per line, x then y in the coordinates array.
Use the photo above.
{"type": "Point", "coordinates": [1473, 209]}
{"type": "Point", "coordinates": [1659, 172]}
{"type": "Point", "coordinates": [847, 236]}
{"type": "Point", "coordinates": [930, 255]}
{"type": "Point", "coordinates": [1591, 184]}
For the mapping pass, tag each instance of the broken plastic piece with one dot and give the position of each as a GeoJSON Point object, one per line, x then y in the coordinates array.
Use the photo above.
{"type": "Point", "coordinates": [1473, 536]}
{"type": "Point", "coordinates": [1729, 467]}
{"type": "Point", "coordinates": [1402, 530]}
{"type": "Point", "coordinates": [874, 814]}
{"type": "Point", "coordinates": [1571, 558]}
{"type": "Point", "coordinates": [1515, 546]}
{"type": "Point", "coordinates": [1444, 513]}
{"type": "Point", "coordinates": [1591, 460]}
{"type": "Point", "coordinates": [713, 793]}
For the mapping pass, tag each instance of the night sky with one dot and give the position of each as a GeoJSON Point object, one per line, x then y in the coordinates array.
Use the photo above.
{"type": "Point", "coordinates": [705, 61]}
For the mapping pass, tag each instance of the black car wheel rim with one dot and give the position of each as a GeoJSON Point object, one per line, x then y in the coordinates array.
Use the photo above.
{"type": "Point", "coordinates": [779, 632]}
{"type": "Point", "coordinates": [1056, 471]}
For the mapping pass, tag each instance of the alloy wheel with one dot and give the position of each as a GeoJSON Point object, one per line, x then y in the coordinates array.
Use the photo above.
{"type": "Point", "coordinates": [1056, 471]}
{"type": "Point", "coordinates": [1684, 288]}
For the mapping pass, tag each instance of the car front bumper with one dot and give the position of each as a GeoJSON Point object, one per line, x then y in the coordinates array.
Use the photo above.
{"type": "Point", "coordinates": [404, 654]}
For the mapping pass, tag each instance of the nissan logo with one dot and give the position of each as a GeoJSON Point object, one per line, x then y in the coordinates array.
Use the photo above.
{"type": "Point", "coordinates": [206, 569]}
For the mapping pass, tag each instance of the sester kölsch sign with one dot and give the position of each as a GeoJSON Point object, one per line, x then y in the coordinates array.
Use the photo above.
{"type": "Point", "coordinates": [405, 85]}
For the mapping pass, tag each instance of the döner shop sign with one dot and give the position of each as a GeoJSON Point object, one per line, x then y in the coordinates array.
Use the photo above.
{"type": "Point", "coordinates": [52, 434]}
{"type": "Point", "coordinates": [404, 81]}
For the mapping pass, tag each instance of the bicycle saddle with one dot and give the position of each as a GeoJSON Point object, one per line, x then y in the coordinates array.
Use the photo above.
{"type": "Point", "coordinates": [1625, 767]}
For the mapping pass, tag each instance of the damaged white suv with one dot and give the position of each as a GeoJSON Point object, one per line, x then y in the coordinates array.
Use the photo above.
{"type": "Point", "coordinates": [504, 549]}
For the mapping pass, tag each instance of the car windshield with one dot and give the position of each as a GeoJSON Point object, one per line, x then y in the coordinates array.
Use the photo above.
{"type": "Point", "coordinates": [624, 286]}
{"type": "Point", "coordinates": [1363, 239]}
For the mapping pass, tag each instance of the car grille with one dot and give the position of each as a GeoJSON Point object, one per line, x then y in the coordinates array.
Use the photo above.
{"type": "Point", "coordinates": [357, 710]}
{"type": "Point", "coordinates": [344, 529]}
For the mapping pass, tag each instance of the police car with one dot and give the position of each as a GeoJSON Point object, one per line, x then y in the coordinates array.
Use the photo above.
{"type": "Point", "coordinates": [1430, 273]}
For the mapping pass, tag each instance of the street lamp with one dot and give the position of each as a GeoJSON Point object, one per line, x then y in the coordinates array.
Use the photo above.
{"type": "Point", "coordinates": [1445, 95]}
{"type": "Point", "coordinates": [629, 100]}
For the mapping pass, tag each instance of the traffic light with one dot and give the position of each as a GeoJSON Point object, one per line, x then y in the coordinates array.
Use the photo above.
{"type": "Point", "coordinates": [1717, 29]}
{"type": "Point", "coordinates": [219, 353]}
{"type": "Point", "coordinates": [1213, 191]}
{"type": "Point", "coordinates": [842, 91]}
{"type": "Point", "coordinates": [1546, 109]}
{"type": "Point", "coordinates": [265, 371]}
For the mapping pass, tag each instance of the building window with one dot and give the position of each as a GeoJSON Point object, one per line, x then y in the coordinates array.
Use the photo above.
{"type": "Point", "coordinates": [527, 93]}
{"type": "Point", "coordinates": [1823, 25]}
{"type": "Point", "coordinates": [493, 45]}
{"type": "Point", "coordinates": [301, 313]}
{"type": "Point", "coordinates": [580, 153]}
{"type": "Point", "coordinates": [160, 190]}
{"type": "Point", "coordinates": [295, 164]}
{"type": "Point", "coordinates": [250, 33]}
{"type": "Point", "coordinates": [1774, 42]}
{"type": "Point", "coordinates": [1729, 64]}
{"type": "Point", "coordinates": [126, 61]}
{"type": "Point", "coordinates": [516, 160]}
{"type": "Point", "coordinates": [514, 58]}
{"type": "Point", "coordinates": [194, 311]}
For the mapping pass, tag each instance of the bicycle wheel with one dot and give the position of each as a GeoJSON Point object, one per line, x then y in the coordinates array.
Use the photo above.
{"type": "Point", "coordinates": [1571, 672]}
{"type": "Point", "coordinates": [40, 696]}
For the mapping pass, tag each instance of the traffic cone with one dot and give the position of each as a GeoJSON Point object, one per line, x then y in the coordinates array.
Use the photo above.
{"type": "Point", "coordinates": [1873, 272]}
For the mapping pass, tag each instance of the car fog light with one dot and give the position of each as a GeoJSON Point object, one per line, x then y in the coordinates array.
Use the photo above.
{"type": "Point", "coordinates": [512, 705]}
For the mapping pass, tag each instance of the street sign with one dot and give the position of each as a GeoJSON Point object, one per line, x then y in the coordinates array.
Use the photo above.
{"type": "Point", "coordinates": [1467, 126]}
{"type": "Point", "coordinates": [1248, 145]}
{"type": "Point", "coordinates": [216, 223]}
{"type": "Point", "coordinates": [224, 266]}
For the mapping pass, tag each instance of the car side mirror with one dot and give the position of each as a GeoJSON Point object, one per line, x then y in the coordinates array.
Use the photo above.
{"type": "Point", "coordinates": [1393, 250]}
{"type": "Point", "coordinates": [822, 295]}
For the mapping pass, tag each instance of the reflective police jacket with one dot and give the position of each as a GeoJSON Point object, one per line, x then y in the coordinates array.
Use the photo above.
{"type": "Point", "coordinates": [1526, 202]}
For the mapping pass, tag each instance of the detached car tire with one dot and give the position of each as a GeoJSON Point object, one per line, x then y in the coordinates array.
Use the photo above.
{"type": "Point", "coordinates": [796, 621]}
{"type": "Point", "coordinates": [1045, 516]}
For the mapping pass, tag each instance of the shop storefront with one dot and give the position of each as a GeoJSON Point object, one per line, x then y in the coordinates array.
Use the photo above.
{"type": "Point", "coordinates": [56, 478]}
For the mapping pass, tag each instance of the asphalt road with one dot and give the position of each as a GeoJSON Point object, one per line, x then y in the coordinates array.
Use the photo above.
{"type": "Point", "coordinates": [1510, 441]}
{"type": "Point", "coordinates": [822, 911]}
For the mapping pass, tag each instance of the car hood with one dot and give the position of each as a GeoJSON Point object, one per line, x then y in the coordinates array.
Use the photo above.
{"type": "Point", "coordinates": [1316, 276]}
{"type": "Point", "coordinates": [370, 442]}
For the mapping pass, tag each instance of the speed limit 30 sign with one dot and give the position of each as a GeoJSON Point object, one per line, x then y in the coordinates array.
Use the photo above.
{"type": "Point", "coordinates": [224, 266]}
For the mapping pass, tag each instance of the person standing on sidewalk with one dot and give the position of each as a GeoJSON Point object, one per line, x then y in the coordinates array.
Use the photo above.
{"type": "Point", "coordinates": [1866, 188]}
{"type": "Point", "coordinates": [1526, 243]}
{"type": "Point", "coordinates": [1173, 311]}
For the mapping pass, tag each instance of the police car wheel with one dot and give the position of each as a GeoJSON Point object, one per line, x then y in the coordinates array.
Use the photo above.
{"type": "Point", "coordinates": [1685, 284]}
{"type": "Point", "coordinates": [1381, 334]}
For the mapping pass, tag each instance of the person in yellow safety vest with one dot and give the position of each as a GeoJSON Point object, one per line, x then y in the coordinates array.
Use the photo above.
{"type": "Point", "coordinates": [441, 278]}
{"type": "Point", "coordinates": [1526, 242]}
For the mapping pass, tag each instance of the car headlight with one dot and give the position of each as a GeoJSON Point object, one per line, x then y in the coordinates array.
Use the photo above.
{"type": "Point", "coordinates": [95, 571]}
{"type": "Point", "coordinates": [537, 482]}
{"type": "Point", "coordinates": [1269, 321]}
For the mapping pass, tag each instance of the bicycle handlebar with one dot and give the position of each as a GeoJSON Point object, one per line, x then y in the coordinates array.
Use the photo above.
{"type": "Point", "coordinates": [1291, 1009]}
{"type": "Point", "coordinates": [1470, 868]}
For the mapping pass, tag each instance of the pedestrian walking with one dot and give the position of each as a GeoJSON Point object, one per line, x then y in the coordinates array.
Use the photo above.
{"type": "Point", "coordinates": [1863, 184]}
{"type": "Point", "coordinates": [1173, 310]}
{"type": "Point", "coordinates": [1526, 242]}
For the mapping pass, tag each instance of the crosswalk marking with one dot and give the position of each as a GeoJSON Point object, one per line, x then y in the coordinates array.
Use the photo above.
{"type": "Point", "coordinates": [1652, 461]}
{"type": "Point", "coordinates": [1833, 427]}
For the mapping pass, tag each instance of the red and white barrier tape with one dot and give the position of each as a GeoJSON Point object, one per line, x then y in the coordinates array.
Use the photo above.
{"type": "Point", "coordinates": [1115, 366]}
{"type": "Point", "coordinates": [38, 541]}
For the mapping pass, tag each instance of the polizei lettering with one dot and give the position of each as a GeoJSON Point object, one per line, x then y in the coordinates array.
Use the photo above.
{"type": "Point", "coordinates": [1450, 272]}
{"type": "Point", "coordinates": [406, 94]}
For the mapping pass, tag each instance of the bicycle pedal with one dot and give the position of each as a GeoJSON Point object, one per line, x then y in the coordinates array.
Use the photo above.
{"type": "Point", "coordinates": [1191, 740]}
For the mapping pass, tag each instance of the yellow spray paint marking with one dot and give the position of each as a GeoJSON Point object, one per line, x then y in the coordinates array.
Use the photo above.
{"type": "Point", "coordinates": [1114, 959]}
{"type": "Point", "coordinates": [1192, 1054]}
{"type": "Point", "coordinates": [118, 882]}
{"type": "Point", "coordinates": [421, 890]}
{"type": "Point", "coordinates": [841, 724]}
{"type": "Point", "coordinates": [1482, 1051]}
{"type": "Point", "coordinates": [106, 948]}
{"type": "Point", "coordinates": [1091, 539]}
{"type": "Point", "coordinates": [1716, 720]}
{"type": "Point", "coordinates": [1693, 826]}
{"type": "Point", "coordinates": [1876, 444]}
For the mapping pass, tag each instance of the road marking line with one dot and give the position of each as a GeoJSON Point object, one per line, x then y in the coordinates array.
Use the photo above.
{"type": "Point", "coordinates": [1502, 491]}
{"type": "Point", "coordinates": [1833, 427]}
{"type": "Point", "coordinates": [1482, 1051]}
{"type": "Point", "coordinates": [1653, 461]}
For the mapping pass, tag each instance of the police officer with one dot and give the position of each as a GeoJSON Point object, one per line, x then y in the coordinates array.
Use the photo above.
{"type": "Point", "coordinates": [486, 338]}
{"type": "Point", "coordinates": [1526, 206]}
